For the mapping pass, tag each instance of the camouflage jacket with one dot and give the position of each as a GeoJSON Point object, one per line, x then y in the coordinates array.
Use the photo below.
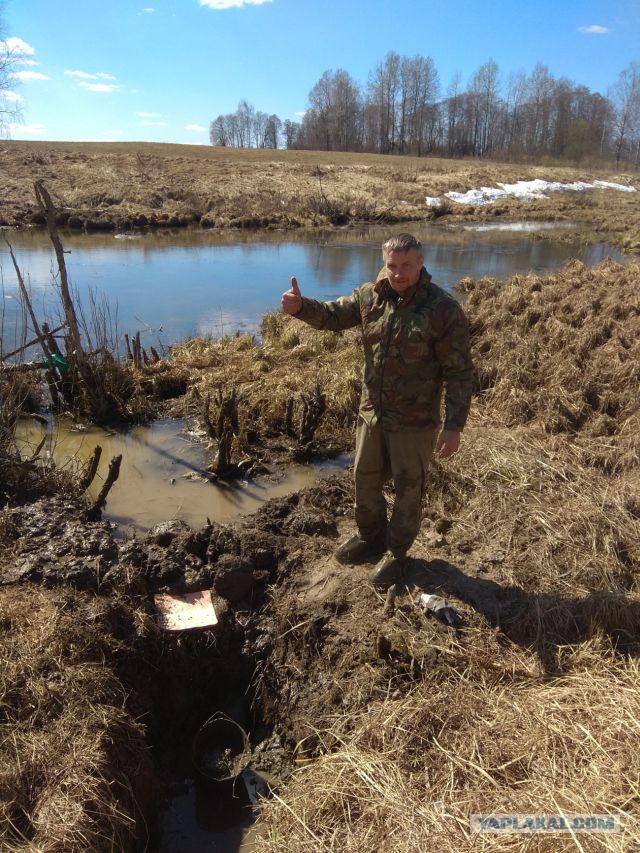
{"type": "Point", "coordinates": [413, 345]}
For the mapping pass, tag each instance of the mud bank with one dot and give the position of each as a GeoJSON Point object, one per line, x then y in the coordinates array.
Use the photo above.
{"type": "Point", "coordinates": [81, 643]}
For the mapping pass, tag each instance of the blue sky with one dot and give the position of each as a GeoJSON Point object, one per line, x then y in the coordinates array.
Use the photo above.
{"type": "Point", "coordinates": [161, 70]}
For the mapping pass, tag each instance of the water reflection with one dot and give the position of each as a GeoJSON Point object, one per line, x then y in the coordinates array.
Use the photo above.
{"type": "Point", "coordinates": [174, 285]}
{"type": "Point", "coordinates": [161, 473]}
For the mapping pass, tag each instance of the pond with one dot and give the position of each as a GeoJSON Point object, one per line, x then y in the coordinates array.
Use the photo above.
{"type": "Point", "coordinates": [161, 475]}
{"type": "Point", "coordinates": [176, 285]}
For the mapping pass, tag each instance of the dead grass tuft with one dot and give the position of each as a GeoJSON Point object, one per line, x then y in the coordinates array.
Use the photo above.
{"type": "Point", "coordinates": [73, 767]}
{"type": "Point", "coordinates": [290, 361]}
{"type": "Point", "coordinates": [562, 353]}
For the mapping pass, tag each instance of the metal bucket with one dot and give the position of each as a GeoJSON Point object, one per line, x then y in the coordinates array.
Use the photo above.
{"type": "Point", "coordinates": [221, 752]}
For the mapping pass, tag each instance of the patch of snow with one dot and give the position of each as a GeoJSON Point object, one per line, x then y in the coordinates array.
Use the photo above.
{"type": "Point", "coordinates": [519, 226]}
{"type": "Point", "coordinates": [432, 201]}
{"type": "Point", "coordinates": [485, 195]}
{"type": "Point", "coordinates": [625, 188]}
{"type": "Point", "coordinates": [528, 190]}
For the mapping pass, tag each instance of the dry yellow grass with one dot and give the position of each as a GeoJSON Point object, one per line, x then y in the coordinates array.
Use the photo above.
{"type": "Point", "coordinates": [124, 185]}
{"type": "Point", "coordinates": [291, 360]}
{"type": "Point", "coordinates": [74, 774]}
{"type": "Point", "coordinates": [409, 772]}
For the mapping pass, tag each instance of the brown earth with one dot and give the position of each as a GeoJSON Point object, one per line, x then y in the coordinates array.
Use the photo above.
{"type": "Point", "coordinates": [386, 729]}
{"type": "Point", "coordinates": [107, 186]}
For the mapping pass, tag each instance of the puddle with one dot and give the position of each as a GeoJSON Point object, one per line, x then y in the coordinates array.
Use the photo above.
{"type": "Point", "coordinates": [159, 477]}
{"type": "Point", "coordinates": [197, 821]}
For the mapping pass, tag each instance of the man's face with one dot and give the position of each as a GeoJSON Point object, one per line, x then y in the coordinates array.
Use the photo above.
{"type": "Point", "coordinates": [403, 269]}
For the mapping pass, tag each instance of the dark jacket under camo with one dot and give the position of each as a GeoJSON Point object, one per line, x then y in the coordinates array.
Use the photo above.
{"type": "Point", "coordinates": [413, 344]}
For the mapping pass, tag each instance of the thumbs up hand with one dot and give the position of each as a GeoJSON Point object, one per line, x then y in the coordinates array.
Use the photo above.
{"type": "Point", "coordinates": [292, 299]}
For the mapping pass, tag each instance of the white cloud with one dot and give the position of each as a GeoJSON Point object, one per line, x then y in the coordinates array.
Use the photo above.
{"type": "Point", "coordinates": [17, 47]}
{"type": "Point", "coordinates": [197, 128]}
{"type": "Point", "coordinates": [148, 10]}
{"type": "Point", "coordinates": [11, 96]}
{"type": "Point", "coordinates": [26, 128]}
{"type": "Point", "coordinates": [148, 115]}
{"type": "Point", "coordinates": [594, 28]}
{"type": "Point", "coordinates": [98, 87]}
{"type": "Point", "coordinates": [83, 75]}
{"type": "Point", "coordinates": [29, 75]}
{"type": "Point", "coordinates": [151, 123]}
{"type": "Point", "coordinates": [301, 114]}
{"type": "Point", "coordinates": [230, 4]}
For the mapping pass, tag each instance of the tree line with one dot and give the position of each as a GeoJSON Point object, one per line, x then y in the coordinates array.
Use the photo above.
{"type": "Point", "coordinates": [402, 110]}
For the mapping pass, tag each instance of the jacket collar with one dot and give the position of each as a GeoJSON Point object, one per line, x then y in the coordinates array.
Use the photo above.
{"type": "Point", "coordinates": [385, 291]}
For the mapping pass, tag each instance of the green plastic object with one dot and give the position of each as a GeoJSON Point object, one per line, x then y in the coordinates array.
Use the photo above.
{"type": "Point", "coordinates": [56, 360]}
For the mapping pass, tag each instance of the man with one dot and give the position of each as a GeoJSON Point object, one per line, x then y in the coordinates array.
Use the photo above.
{"type": "Point", "coordinates": [416, 340]}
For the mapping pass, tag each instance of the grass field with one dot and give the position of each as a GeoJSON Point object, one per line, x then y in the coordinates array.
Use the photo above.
{"type": "Point", "coordinates": [132, 185]}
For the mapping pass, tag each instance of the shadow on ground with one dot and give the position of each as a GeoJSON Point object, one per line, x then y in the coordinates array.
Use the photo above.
{"type": "Point", "coordinates": [540, 621]}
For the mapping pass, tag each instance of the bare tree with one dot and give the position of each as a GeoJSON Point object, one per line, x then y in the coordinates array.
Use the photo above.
{"type": "Point", "coordinates": [291, 131]}
{"type": "Point", "coordinates": [454, 109]}
{"type": "Point", "coordinates": [333, 120]}
{"type": "Point", "coordinates": [625, 97]}
{"type": "Point", "coordinates": [259, 127]}
{"type": "Point", "coordinates": [383, 97]}
{"type": "Point", "coordinates": [484, 103]}
{"type": "Point", "coordinates": [419, 85]}
{"type": "Point", "coordinates": [516, 92]}
{"type": "Point", "coordinates": [9, 104]}
{"type": "Point", "coordinates": [347, 112]}
{"type": "Point", "coordinates": [218, 134]}
{"type": "Point", "coordinates": [272, 131]}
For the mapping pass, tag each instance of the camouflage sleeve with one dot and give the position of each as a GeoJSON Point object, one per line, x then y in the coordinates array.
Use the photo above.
{"type": "Point", "coordinates": [453, 351]}
{"type": "Point", "coordinates": [344, 313]}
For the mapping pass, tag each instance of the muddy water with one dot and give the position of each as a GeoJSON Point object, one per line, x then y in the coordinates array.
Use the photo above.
{"type": "Point", "coordinates": [175, 285]}
{"type": "Point", "coordinates": [159, 476]}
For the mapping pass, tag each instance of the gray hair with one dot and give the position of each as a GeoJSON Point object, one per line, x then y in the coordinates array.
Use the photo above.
{"type": "Point", "coordinates": [402, 243]}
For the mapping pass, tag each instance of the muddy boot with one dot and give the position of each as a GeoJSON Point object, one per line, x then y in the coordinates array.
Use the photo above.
{"type": "Point", "coordinates": [388, 571]}
{"type": "Point", "coordinates": [357, 550]}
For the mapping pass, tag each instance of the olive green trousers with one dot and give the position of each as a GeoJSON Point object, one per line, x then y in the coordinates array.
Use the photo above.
{"type": "Point", "coordinates": [403, 456]}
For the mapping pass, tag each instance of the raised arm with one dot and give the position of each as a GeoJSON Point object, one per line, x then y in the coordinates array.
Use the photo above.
{"type": "Point", "coordinates": [343, 313]}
